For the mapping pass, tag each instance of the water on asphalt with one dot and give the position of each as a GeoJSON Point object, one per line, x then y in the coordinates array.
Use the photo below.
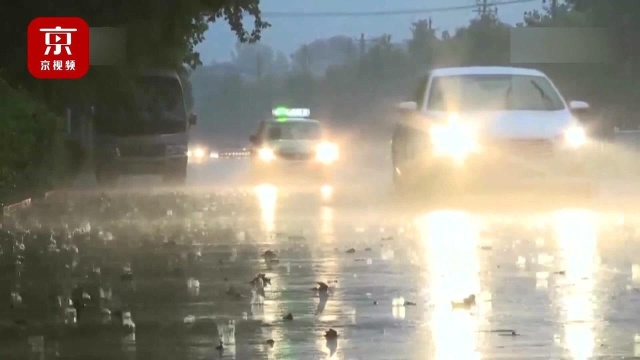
{"type": "Point", "coordinates": [557, 282]}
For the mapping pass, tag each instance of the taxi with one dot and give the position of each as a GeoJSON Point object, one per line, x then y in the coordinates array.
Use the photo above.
{"type": "Point", "coordinates": [292, 143]}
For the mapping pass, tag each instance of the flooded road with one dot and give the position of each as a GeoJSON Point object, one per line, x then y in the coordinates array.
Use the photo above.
{"type": "Point", "coordinates": [556, 282]}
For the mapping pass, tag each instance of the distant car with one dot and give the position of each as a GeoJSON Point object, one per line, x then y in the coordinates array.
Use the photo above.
{"type": "Point", "coordinates": [486, 122]}
{"type": "Point", "coordinates": [291, 143]}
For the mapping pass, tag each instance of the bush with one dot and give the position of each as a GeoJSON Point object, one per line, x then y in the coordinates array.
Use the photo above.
{"type": "Point", "coordinates": [28, 160]}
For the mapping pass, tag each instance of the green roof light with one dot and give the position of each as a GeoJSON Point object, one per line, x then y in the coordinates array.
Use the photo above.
{"type": "Point", "coordinates": [282, 112]}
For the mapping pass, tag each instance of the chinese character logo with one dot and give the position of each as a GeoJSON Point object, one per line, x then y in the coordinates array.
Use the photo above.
{"type": "Point", "coordinates": [57, 40]}
{"type": "Point", "coordinates": [58, 48]}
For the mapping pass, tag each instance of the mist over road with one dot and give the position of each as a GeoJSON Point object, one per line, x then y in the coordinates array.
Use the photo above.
{"type": "Point", "coordinates": [556, 278]}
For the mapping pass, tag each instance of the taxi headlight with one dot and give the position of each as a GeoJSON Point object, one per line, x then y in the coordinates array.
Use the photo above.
{"type": "Point", "coordinates": [454, 139]}
{"type": "Point", "coordinates": [575, 136]}
{"type": "Point", "coordinates": [266, 154]}
{"type": "Point", "coordinates": [327, 153]}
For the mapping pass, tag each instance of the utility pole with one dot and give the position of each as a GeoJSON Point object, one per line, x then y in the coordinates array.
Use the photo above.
{"type": "Point", "coordinates": [362, 45]}
{"type": "Point", "coordinates": [482, 7]}
{"type": "Point", "coordinates": [484, 10]}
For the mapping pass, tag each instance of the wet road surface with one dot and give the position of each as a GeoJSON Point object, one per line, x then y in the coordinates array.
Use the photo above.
{"type": "Point", "coordinates": [561, 281]}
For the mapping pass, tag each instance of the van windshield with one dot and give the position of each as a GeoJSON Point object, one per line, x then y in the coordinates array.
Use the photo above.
{"type": "Point", "coordinates": [153, 105]}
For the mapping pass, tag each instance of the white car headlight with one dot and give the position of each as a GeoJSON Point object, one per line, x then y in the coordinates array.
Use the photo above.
{"type": "Point", "coordinates": [327, 153]}
{"type": "Point", "coordinates": [266, 154]}
{"type": "Point", "coordinates": [454, 139]}
{"type": "Point", "coordinates": [575, 136]}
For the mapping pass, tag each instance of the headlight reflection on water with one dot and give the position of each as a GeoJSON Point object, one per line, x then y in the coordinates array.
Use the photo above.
{"type": "Point", "coordinates": [267, 196]}
{"type": "Point", "coordinates": [451, 240]}
{"type": "Point", "coordinates": [269, 311]}
{"type": "Point", "coordinates": [333, 308]}
{"type": "Point", "coordinates": [450, 244]}
{"type": "Point", "coordinates": [577, 235]}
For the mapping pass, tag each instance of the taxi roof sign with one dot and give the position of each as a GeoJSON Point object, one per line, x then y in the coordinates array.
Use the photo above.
{"type": "Point", "coordinates": [283, 112]}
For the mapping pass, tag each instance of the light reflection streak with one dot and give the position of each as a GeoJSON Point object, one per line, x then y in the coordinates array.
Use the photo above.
{"type": "Point", "coordinates": [334, 305]}
{"type": "Point", "coordinates": [577, 235]}
{"type": "Point", "coordinates": [267, 310]}
{"type": "Point", "coordinates": [327, 224]}
{"type": "Point", "coordinates": [267, 196]}
{"type": "Point", "coordinates": [451, 241]}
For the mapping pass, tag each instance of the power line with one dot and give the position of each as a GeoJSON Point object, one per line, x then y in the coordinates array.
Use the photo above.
{"type": "Point", "coordinates": [484, 8]}
{"type": "Point", "coordinates": [281, 14]}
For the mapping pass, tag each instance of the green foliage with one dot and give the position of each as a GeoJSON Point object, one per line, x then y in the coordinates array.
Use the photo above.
{"type": "Point", "coordinates": [26, 142]}
{"type": "Point", "coordinates": [159, 34]}
{"type": "Point", "coordinates": [423, 42]}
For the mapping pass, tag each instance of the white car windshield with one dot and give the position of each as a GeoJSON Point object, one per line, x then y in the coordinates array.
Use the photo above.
{"type": "Point", "coordinates": [293, 131]}
{"type": "Point", "coordinates": [493, 93]}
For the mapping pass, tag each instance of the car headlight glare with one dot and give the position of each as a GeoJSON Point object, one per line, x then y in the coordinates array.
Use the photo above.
{"type": "Point", "coordinates": [327, 153]}
{"type": "Point", "coordinates": [454, 140]}
{"type": "Point", "coordinates": [198, 153]}
{"type": "Point", "coordinates": [575, 136]}
{"type": "Point", "coordinates": [266, 154]}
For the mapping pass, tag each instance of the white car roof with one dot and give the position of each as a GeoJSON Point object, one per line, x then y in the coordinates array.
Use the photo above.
{"type": "Point", "coordinates": [485, 70]}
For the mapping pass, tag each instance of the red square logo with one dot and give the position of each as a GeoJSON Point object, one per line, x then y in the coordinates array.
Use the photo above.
{"type": "Point", "coordinates": [58, 47]}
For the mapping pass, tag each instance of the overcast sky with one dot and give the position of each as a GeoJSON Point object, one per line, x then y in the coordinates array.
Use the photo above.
{"type": "Point", "coordinates": [288, 33]}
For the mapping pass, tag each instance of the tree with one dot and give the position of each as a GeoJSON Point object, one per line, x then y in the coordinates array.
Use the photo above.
{"type": "Point", "coordinates": [256, 59]}
{"type": "Point", "coordinates": [302, 59]}
{"type": "Point", "coordinates": [161, 33]}
{"type": "Point", "coordinates": [422, 42]}
{"type": "Point", "coordinates": [280, 63]}
{"type": "Point", "coordinates": [485, 41]}
{"type": "Point", "coordinates": [320, 54]}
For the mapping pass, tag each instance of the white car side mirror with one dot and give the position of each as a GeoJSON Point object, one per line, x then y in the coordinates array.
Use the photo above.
{"type": "Point", "coordinates": [579, 105]}
{"type": "Point", "coordinates": [408, 106]}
